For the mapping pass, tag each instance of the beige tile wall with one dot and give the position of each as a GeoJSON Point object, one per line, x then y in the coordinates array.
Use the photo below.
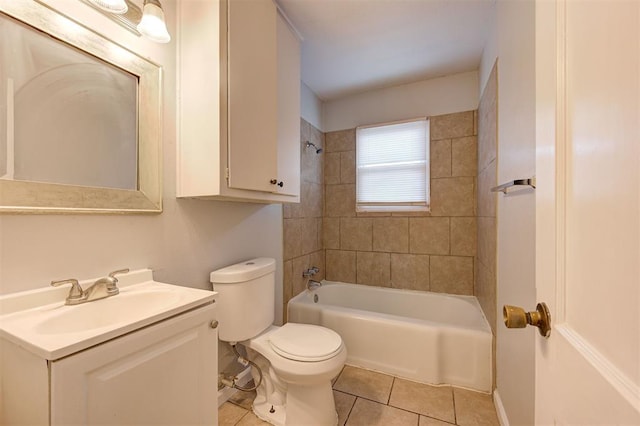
{"type": "Point", "coordinates": [303, 221]}
{"type": "Point", "coordinates": [422, 251]}
{"type": "Point", "coordinates": [485, 289]}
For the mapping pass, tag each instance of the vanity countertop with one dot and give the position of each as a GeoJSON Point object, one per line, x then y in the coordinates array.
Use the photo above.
{"type": "Point", "coordinates": [40, 322]}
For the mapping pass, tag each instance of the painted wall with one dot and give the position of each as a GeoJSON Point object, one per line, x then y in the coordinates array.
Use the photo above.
{"type": "Point", "coordinates": [182, 245]}
{"type": "Point", "coordinates": [514, 47]}
{"type": "Point", "coordinates": [489, 53]}
{"type": "Point", "coordinates": [310, 107]}
{"type": "Point", "coordinates": [438, 96]}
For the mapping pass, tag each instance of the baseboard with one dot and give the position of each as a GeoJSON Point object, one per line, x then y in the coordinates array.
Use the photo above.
{"type": "Point", "coordinates": [225, 393]}
{"type": "Point", "coordinates": [502, 415]}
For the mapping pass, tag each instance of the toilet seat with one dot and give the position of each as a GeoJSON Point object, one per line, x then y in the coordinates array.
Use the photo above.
{"type": "Point", "coordinates": [305, 342]}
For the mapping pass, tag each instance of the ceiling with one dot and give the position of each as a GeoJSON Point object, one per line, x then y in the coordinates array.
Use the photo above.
{"type": "Point", "coordinates": [351, 46]}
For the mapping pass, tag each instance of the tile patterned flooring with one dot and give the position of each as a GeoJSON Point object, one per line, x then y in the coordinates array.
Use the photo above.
{"type": "Point", "coordinates": [368, 398]}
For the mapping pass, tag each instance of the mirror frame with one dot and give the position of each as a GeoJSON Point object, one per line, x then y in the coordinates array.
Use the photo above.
{"type": "Point", "coordinates": [36, 197]}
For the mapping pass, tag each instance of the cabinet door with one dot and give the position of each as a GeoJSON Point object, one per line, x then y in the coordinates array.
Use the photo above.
{"type": "Point", "coordinates": [252, 95]}
{"type": "Point", "coordinates": [162, 374]}
{"type": "Point", "coordinates": [288, 109]}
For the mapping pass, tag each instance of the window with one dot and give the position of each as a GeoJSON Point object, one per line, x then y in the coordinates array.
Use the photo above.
{"type": "Point", "coordinates": [392, 166]}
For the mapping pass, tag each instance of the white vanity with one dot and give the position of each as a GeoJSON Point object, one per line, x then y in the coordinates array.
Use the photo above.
{"type": "Point", "coordinates": [145, 356]}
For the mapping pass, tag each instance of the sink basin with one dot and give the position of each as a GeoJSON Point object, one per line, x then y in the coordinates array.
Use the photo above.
{"type": "Point", "coordinates": [123, 307]}
{"type": "Point", "coordinates": [40, 322]}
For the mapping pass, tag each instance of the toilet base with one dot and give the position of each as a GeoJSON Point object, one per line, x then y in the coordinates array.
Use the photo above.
{"type": "Point", "coordinates": [290, 404]}
{"type": "Point", "coordinates": [307, 406]}
{"type": "Point", "coordinates": [311, 405]}
{"type": "Point", "coordinates": [299, 392]}
{"type": "Point", "coordinates": [264, 412]}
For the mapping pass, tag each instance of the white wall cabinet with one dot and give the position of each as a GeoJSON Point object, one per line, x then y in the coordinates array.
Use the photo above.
{"type": "Point", "coordinates": [238, 102]}
{"type": "Point", "coordinates": [162, 374]}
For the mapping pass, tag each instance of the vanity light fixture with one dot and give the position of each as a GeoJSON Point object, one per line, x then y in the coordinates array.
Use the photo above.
{"type": "Point", "coordinates": [152, 24]}
{"type": "Point", "coordinates": [118, 7]}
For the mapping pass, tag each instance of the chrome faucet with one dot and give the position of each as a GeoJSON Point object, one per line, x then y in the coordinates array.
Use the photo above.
{"type": "Point", "coordinates": [310, 272]}
{"type": "Point", "coordinates": [104, 287]}
{"type": "Point", "coordinates": [313, 284]}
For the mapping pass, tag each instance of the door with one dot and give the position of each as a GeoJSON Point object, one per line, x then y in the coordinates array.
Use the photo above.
{"type": "Point", "coordinates": [288, 110]}
{"type": "Point", "coordinates": [587, 211]}
{"type": "Point", "coordinates": [164, 374]}
{"type": "Point", "coordinates": [253, 95]}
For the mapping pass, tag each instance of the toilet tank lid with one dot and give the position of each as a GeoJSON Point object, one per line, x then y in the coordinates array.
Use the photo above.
{"type": "Point", "coordinates": [243, 271]}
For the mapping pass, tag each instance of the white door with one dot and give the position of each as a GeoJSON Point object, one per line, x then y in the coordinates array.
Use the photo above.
{"type": "Point", "coordinates": [288, 110]}
{"type": "Point", "coordinates": [253, 95]}
{"type": "Point", "coordinates": [587, 211]}
{"type": "Point", "coordinates": [164, 374]}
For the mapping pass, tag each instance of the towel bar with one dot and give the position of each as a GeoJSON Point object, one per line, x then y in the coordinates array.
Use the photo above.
{"type": "Point", "coordinates": [517, 182]}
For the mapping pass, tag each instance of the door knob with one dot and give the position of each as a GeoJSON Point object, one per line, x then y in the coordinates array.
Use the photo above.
{"type": "Point", "coordinates": [516, 317]}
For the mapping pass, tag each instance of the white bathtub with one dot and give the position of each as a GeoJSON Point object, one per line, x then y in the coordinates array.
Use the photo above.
{"type": "Point", "coordinates": [426, 337]}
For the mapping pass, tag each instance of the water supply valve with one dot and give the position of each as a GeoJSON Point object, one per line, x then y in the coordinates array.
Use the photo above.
{"type": "Point", "coordinates": [229, 382]}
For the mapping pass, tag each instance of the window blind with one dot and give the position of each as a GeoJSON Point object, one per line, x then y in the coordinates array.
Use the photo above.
{"type": "Point", "coordinates": [392, 166]}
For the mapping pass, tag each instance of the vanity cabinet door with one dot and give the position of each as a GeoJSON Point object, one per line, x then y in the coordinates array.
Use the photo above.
{"type": "Point", "coordinates": [163, 374]}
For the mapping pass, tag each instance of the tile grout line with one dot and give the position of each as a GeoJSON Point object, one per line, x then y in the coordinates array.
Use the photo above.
{"type": "Point", "coordinates": [365, 398]}
{"type": "Point", "coordinates": [406, 410]}
{"type": "Point", "coordinates": [410, 411]}
{"type": "Point", "coordinates": [393, 382]}
{"type": "Point", "coordinates": [350, 410]}
{"type": "Point", "coordinates": [453, 398]}
{"type": "Point", "coordinates": [240, 419]}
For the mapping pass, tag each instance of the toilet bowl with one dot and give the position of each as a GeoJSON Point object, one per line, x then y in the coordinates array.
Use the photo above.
{"type": "Point", "coordinates": [294, 363]}
{"type": "Point", "coordinates": [301, 360]}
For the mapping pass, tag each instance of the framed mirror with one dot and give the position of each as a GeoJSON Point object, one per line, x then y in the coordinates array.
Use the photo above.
{"type": "Point", "coordinates": [80, 118]}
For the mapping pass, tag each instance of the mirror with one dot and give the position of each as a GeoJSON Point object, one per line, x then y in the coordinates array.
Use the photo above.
{"type": "Point", "coordinates": [79, 118]}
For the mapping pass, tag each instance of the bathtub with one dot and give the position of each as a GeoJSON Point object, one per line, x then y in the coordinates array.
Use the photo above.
{"type": "Point", "coordinates": [426, 337]}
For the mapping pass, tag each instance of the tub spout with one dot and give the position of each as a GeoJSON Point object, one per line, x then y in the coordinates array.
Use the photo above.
{"type": "Point", "coordinates": [313, 284]}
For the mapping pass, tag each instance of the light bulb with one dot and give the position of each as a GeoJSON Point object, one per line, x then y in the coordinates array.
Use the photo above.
{"type": "Point", "coordinates": [113, 6]}
{"type": "Point", "coordinates": [152, 24]}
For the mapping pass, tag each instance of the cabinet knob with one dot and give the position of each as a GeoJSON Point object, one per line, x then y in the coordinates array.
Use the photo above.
{"type": "Point", "coordinates": [273, 181]}
{"type": "Point", "coordinates": [281, 184]}
{"type": "Point", "coordinates": [213, 324]}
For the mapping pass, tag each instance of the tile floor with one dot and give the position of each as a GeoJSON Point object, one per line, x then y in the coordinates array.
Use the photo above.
{"type": "Point", "coordinates": [368, 398]}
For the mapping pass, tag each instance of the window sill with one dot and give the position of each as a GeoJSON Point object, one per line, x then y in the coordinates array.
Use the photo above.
{"type": "Point", "coordinates": [392, 209]}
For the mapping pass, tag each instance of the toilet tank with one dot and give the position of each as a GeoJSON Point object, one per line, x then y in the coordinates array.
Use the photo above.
{"type": "Point", "coordinates": [246, 298]}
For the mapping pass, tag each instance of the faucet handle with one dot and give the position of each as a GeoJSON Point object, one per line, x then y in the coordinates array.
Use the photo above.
{"type": "Point", "coordinates": [310, 272]}
{"type": "Point", "coordinates": [119, 271]}
{"type": "Point", "coordinates": [112, 288]}
{"type": "Point", "coordinates": [76, 292]}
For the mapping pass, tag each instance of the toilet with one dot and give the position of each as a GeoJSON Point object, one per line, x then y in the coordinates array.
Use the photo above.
{"type": "Point", "coordinates": [298, 361]}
